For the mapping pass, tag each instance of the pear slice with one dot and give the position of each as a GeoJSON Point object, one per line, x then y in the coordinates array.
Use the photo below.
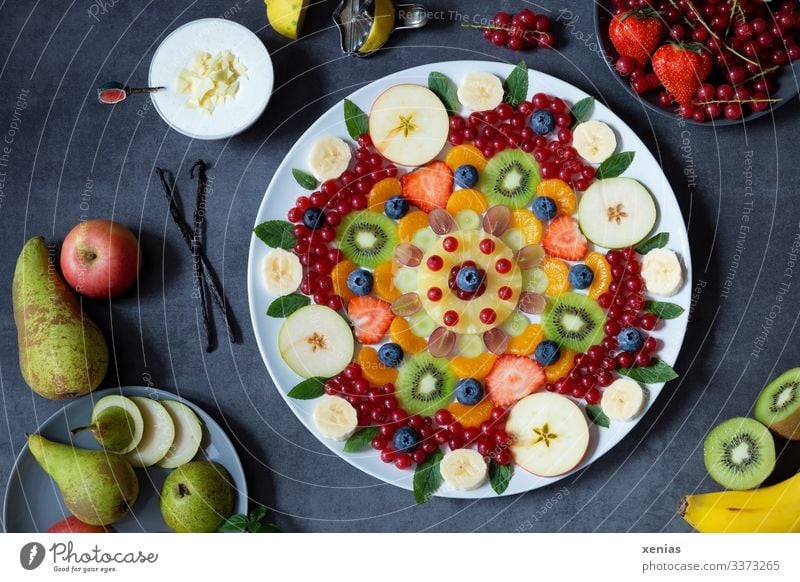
{"type": "Point", "coordinates": [159, 433]}
{"type": "Point", "coordinates": [117, 424]}
{"type": "Point", "coordinates": [316, 341]}
{"type": "Point", "coordinates": [616, 213]}
{"type": "Point", "coordinates": [408, 124]}
{"type": "Point", "coordinates": [188, 434]}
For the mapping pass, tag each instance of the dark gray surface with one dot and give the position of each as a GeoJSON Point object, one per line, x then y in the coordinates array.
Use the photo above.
{"type": "Point", "coordinates": [61, 54]}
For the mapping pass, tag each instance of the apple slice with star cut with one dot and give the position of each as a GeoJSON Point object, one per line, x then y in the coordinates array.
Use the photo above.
{"type": "Point", "coordinates": [408, 124]}
{"type": "Point", "coordinates": [616, 213]}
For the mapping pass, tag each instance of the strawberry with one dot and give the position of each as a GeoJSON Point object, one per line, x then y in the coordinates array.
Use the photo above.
{"type": "Point", "coordinates": [512, 378]}
{"type": "Point", "coordinates": [636, 34]}
{"type": "Point", "coordinates": [371, 318]}
{"type": "Point", "coordinates": [564, 240]}
{"type": "Point", "coordinates": [681, 68]}
{"type": "Point", "coordinates": [429, 187]}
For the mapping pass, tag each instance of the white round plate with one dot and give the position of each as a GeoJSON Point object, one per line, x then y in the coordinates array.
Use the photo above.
{"type": "Point", "coordinates": [211, 35]}
{"type": "Point", "coordinates": [283, 191]}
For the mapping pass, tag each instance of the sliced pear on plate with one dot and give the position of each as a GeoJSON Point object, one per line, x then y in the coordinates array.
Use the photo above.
{"type": "Point", "coordinates": [188, 434]}
{"type": "Point", "coordinates": [616, 213]}
{"type": "Point", "coordinates": [159, 433]}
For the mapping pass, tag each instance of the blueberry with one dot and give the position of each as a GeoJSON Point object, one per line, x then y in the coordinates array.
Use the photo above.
{"type": "Point", "coordinates": [469, 279]}
{"type": "Point", "coordinates": [405, 439]}
{"type": "Point", "coordinates": [360, 282]}
{"type": "Point", "coordinates": [469, 391]}
{"type": "Point", "coordinates": [390, 355]}
{"type": "Point", "coordinates": [545, 208]}
{"type": "Point", "coordinates": [630, 339]}
{"type": "Point", "coordinates": [466, 176]}
{"type": "Point", "coordinates": [580, 276]}
{"type": "Point", "coordinates": [542, 121]}
{"type": "Point", "coordinates": [547, 353]}
{"type": "Point", "coordinates": [396, 207]}
{"type": "Point", "coordinates": [314, 218]}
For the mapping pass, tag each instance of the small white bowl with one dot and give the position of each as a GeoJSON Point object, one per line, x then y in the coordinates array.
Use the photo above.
{"type": "Point", "coordinates": [211, 35]}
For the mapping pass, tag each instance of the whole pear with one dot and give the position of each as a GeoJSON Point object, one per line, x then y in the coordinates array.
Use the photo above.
{"type": "Point", "coordinates": [197, 497]}
{"type": "Point", "coordinates": [98, 487]}
{"type": "Point", "coordinates": [62, 353]}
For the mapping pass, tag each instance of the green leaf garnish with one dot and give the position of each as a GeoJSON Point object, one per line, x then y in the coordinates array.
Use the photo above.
{"type": "Point", "coordinates": [597, 416]}
{"type": "Point", "coordinates": [305, 179]}
{"type": "Point", "coordinates": [655, 242]}
{"type": "Point", "coordinates": [445, 90]}
{"type": "Point", "coordinates": [499, 476]}
{"type": "Point", "coordinates": [582, 110]}
{"type": "Point", "coordinates": [308, 389]}
{"type": "Point", "coordinates": [656, 373]}
{"type": "Point", "coordinates": [663, 309]}
{"type": "Point", "coordinates": [276, 234]}
{"type": "Point", "coordinates": [516, 86]}
{"type": "Point", "coordinates": [254, 523]}
{"type": "Point", "coordinates": [615, 165]}
{"type": "Point", "coordinates": [427, 478]}
{"type": "Point", "coordinates": [286, 305]}
{"type": "Point", "coordinates": [356, 120]}
{"type": "Point", "coordinates": [360, 439]}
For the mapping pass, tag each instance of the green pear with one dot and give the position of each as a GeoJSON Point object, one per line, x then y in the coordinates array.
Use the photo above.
{"type": "Point", "coordinates": [62, 353]}
{"type": "Point", "coordinates": [197, 497]}
{"type": "Point", "coordinates": [98, 487]}
{"type": "Point", "coordinates": [117, 424]}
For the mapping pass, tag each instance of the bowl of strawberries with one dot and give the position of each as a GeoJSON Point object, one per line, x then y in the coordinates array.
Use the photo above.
{"type": "Point", "coordinates": [706, 61]}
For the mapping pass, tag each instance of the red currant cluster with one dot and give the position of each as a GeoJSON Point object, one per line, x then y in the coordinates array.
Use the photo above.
{"type": "Point", "coordinates": [525, 29]}
{"type": "Point", "coordinates": [490, 439]}
{"type": "Point", "coordinates": [624, 303]}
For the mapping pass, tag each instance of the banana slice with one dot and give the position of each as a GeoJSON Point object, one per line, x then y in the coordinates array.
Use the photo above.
{"type": "Point", "coordinates": [463, 469]}
{"type": "Point", "coordinates": [335, 418]}
{"type": "Point", "coordinates": [595, 141]}
{"type": "Point", "coordinates": [662, 272]}
{"type": "Point", "coordinates": [623, 400]}
{"type": "Point", "coordinates": [282, 272]}
{"type": "Point", "coordinates": [480, 91]}
{"type": "Point", "coordinates": [329, 157]}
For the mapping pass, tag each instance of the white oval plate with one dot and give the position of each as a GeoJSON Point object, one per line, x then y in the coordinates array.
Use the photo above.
{"type": "Point", "coordinates": [283, 191]}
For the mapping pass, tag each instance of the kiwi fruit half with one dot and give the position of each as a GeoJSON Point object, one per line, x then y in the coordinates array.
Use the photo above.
{"type": "Point", "coordinates": [574, 321]}
{"type": "Point", "coordinates": [778, 405]}
{"type": "Point", "coordinates": [367, 238]}
{"type": "Point", "coordinates": [425, 384]}
{"type": "Point", "coordinates": [510, 178]}
{"type": "Point", "coordinates": [739, 453]}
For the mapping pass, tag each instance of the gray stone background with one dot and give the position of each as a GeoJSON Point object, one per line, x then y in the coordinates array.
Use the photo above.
{"type": "Point", "coordinates": [742, 227]}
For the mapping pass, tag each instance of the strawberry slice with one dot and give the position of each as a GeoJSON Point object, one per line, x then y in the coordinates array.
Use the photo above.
{"type": "Point", "coordinates": [429, 187]}
{"type": "Point", "coordinates": [371, 318]}
{"type": "Point", "coordinates": [564, 240]}
{"type": "Point", "coordinates": [512, 378]}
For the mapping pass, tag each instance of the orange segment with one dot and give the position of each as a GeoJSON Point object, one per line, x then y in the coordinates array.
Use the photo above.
{"type": "Point", "coordinates": [525, 343]}
{"type": "Point", "coordinates": [373, 370]}
{"type": "Point", "coordinates": [465, 154]}
{"type": "Point", "coordinates": [471, 416]}
{"type": "Point", "coordinates": [562, 367]}
{"type": "Point", "coordinates": [411, 223]}
{"type": "Point", "coordinates": [602, 274]}
{"type": "Point", "coordinates": [557, 273]}
{"type": "Point", "coordinates": [467, 199]}
{"type": "Point", "coordinates": [401, 334]}
{"type": "Point", "coordinates": [530, 226]}
{"type": "Point", "coordinates": [561, 192]}
{"type": "Point", "coordinates": [383, 281]}
{"type": "Point", "coordinates": [382, 191]}
{"type": "Point", "coordinates": [339, 277]}
{"type": "Point", "coordinates": [478, 367]}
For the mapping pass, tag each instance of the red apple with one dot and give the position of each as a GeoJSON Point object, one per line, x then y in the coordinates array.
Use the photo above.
{"type": "Point", "coordinates": [74, 525]}
{"type": "Point", "coordinates": [100, 258]}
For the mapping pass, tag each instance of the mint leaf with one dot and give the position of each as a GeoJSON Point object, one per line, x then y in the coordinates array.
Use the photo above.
{"type": "Point", "coordinates": [597, 416]}
{"type": "Point", "coordinates": [582, 110]}
{"type": "Point", "coordinates": [258, 527]}
{"type": "Point", "coordinates": [615, 165]}
{"type": "Point", "coordinates": [658, 241]}
{"type": "Point", "coordinates": [427, 478]}
{"type": "Point", "coordinates": [308, 389]}
{"type": "Point", "coordinates": [663, 310]}
{"type": "Point", "coordinates": [286, 305]}
{"type": "Point", "coordinates": [499, 476]}
{"type": "Point", "coordinates": [235, 523]}
{"type": "Point", "coordinates": [305, 180]}
{"type": "Point", "coordinates": [445, 90]}
{"type": "Point", "coordinates": [356, 120]}
{"type": "Point", "coordinates": [656, 373]}
{"type": "Point", "coordinates": [360, 439]}
{"type": "Point", "coordinates": [276, 234]}
{"type": "Point", "coordinates": [516, 86]}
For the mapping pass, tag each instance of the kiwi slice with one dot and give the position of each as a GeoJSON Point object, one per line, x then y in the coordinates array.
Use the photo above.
{"type": "Point", "coordinates": [425, 384]}
{"type": "Point", "coordinates": [574, 321]}
{"type": "Point", "coordinates": [510, 178]}
{"type": "Point", "coordinates": [739, 453]}
{"type": "Point", "coordinates": [367, 238]}
{"type": "Point", "coordinates": [778, 405]}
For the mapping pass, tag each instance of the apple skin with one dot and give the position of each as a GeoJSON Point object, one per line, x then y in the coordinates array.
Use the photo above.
{"type": "Point", "coordinates": [74, 525]}
{"type": "Point", "coordinates": [100, 258]}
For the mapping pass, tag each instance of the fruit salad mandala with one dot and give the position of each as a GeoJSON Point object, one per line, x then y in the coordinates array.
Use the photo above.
{"type": "Point", "coordinates": [480, 307]}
